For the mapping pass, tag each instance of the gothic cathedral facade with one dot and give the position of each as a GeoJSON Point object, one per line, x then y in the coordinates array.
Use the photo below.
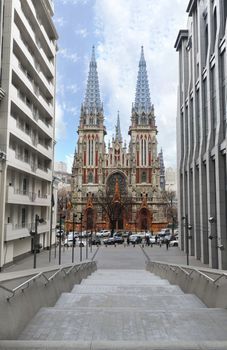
{"type": "Point", "coordinates": [132, 171]}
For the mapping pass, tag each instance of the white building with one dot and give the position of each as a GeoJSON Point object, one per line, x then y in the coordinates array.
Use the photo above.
{"type": "Point", "coordinates": [60, 167]}
{"type": "Point", "coordinates": [26, 124]}
{"type": "Point", "coordinates": [201, 132]}
{"type": "Point", "coordinates": [170, 179]}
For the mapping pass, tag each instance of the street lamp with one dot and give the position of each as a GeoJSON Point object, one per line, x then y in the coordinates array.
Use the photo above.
{"type": "Point", "coordinates": [81, 219]}
{"type": "Point", "coordinates": [34, 234]}
{"type": "Point", "coordinates": [188, 227]}
{"type": "Point", "coordinates": [51, 214]}
{"type": "Point", "coordinates": [73, 245]}
{"type": "Point", "coordinates": [60, 238]}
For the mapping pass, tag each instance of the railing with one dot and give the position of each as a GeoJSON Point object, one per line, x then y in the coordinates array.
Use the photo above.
{"type": "Point", "coordinates": [47, 280]}
{"type": "Point", "coordinates": [189, 271]}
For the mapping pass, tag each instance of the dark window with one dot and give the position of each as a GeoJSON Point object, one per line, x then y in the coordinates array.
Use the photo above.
{"type": "Point", "coordinates": [144, 177]}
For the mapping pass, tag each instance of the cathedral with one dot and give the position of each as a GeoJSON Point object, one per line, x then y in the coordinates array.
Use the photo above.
{"type": "Point", "coordinates": [116, 186]}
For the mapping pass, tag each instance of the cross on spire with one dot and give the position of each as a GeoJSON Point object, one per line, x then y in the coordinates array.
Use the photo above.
{"type": "Point", "coordinates": [92, 101]}
{"type": "Point", "coordinates": [142, 99]}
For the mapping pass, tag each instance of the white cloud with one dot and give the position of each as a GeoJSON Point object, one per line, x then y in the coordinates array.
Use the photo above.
{"type": "Point", "coordinates": [69, 161]}
{"type": "Point", "coordinates": [74, 2]}
{"type": "Point", "coordinates": [59, 21]}
{"type": "Point", "coordinates": [60, 124]}
{"type": "Point", "coordinates": [70, 56]}
{"type": "Point", "coordinates": [123, 26]}
{"type": "Point", "coordinates": [82, 32]}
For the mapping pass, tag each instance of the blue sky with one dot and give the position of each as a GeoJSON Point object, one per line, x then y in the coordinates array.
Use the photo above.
{"type": "Point", "coordinates": [117, 28]}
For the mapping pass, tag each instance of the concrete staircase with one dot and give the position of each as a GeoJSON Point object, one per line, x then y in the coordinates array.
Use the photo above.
{"type": "Point", "coordinates": [126, 309]}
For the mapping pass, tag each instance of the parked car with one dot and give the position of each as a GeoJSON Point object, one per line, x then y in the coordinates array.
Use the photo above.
{"type": "Point", "coordinates": [96, 241]}
{"type": "Point", "coordinates": [103, 233]}
{"type": "Point", "coordinates": [173, 243]}
{"type": "Point", "coordinates": [108, 241]}
{"type": "Point", "coordinates": [68, 242]}
{"type": "Point", "coordinates": [135, 239]}
{"type": "Point", "coordinates": [118, 239]}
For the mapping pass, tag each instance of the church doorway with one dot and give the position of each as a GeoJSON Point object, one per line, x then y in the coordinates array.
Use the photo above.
{"type": "Point", "coordinates": [144, 222]}
{"type": "Point", "coordinates": [118, 216]}
{"type": "Point", "coordinates": [90, 219]}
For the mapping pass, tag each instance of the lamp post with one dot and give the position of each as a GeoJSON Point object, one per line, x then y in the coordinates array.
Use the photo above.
{"type": "Point", "coordinates": [81, 219]}
{"type": "Point", "coordinates": [187, 237]}
{"type": "Point", "coordinates": [59, 256]}
{"type": "Point", "coordinates": [51, 215]}
{"type": "Point", "coordinates": [73, 245]}
{"type": "Point", "coordinates": [34, 234]}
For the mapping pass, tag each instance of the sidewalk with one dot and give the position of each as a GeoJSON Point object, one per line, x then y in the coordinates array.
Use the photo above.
{"type": "Point", "coordinates": [42, 258]}
{"type": "Point", "coordinates": [107, 257]}
{"type": "Point", "coordinates": [172, 255]}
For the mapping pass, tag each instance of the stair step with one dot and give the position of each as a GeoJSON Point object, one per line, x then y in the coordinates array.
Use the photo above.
{"type": "Point", "coordinates": [112, 345]}
{"type": "Point", "coordinates": [122, 324]}
{"type": "Point", "coordinates": [131, 290]}
{"type": "Point", "coordinates": [151, 301]}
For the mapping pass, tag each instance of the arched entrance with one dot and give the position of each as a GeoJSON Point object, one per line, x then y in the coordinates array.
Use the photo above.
{"type": "Point", "coordinates": [90, 219]}
{"type": "Point", "coordinates": [144, 219]}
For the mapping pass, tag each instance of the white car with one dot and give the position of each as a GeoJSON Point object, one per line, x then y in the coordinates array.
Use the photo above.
{"type": "Point", "coordinates": [103, 233]}
{"type": "Point", "coordinates": [173, 243]}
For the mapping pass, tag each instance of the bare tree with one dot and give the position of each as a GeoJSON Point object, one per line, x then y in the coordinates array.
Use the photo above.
{"type": "Point", "coordinates": [169, 198]}
{"type": "Point", "coordinates": [114, 209]}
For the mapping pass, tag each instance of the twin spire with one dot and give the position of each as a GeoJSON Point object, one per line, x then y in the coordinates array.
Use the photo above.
{"type": "Point", "coordinates": [92, 101]}
{"type": "Point", "coordinates": [142, 99]}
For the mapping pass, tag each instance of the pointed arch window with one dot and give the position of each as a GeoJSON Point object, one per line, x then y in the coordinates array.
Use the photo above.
{"type": "Point", "coordinates": [144, 177]}
{"type": "Point", "coordinates": [90, 177]}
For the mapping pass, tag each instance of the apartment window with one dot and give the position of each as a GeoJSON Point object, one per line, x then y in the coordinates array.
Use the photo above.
{"type": "Point", "coordinates": [23, 217]}
{"type": "Point", "coordinates": [214, 102]}
{"type": "Point", "coordinates": [198, 121]}
{"type": "Point", "coordinates": [205, 110]}
{"type": "Point", "coordinates": [223, 91]}
{"type": "Point", "coordinates": [192, 122]}
{"type": "Point", "coordinates": [214, 28]}
{"type": "Point", "coordinates": [224, 16]}
{"type": "Point", "coordinates": [26, 155]}
{"type": "Point", "coordinates": [206, 42]}
{"type": "Point", "coordinates": [24, 186]}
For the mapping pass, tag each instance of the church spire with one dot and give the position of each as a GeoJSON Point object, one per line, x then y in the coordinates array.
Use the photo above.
{"type": "Point", "coordinates": [118, 136]}
{"type": "Point", "coordinates": [142, 99]}
{"type": "Point", "coordinates": [92, 102]}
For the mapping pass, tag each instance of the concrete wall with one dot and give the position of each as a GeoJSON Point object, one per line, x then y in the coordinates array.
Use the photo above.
{"type": "Point", "coordinates": [199, 282]}
{"type": "Point", "coordinates": [16, 313]}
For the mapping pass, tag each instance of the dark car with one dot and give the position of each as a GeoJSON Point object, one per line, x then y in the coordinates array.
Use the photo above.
{"type": "Point", "coordinates": [135, 239]}
{"type": "Point", "coordinates": [109, 241]}
{"type": "Point", "coordinates": [118, 239]}
{"type": "Point", "coordinates": [96, 241]}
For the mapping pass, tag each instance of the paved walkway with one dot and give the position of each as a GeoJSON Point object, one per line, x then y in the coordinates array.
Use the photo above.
{"type": "Point", "coordinates": [118, 257]}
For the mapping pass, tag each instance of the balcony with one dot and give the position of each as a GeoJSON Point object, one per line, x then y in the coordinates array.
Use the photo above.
{"type": "Point", "coordinates": [17, 160]}
{"type": "Point", "coordinates": [29, 111]}
{"type": "Point", "coordinates": [24, 25]}
{"type": "Point", "coordinates": [21, 77]}
{"type": "Point", "coordinates": [17, 231]}
{"type": "Point", "coordinates": [2, 93]}
{"type": "Point", "coordinates": [16, 196]}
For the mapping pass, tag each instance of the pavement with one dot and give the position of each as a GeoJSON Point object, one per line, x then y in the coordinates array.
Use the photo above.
{"type": "Point", "coordinates": [110, 257]}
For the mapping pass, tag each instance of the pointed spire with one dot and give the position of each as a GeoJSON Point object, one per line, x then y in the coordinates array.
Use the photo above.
{"type": "Point", "coordinates": [118, 136]}
{"type": "Point", "coordinates": [142, 99]}
{"type": "Point", "coordinates": [92, 101]}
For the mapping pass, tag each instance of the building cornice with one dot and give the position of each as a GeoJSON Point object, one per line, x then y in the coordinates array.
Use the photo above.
{"type": "Point", "coordinates": [191, 6]}
{"type": "Point", "coordinates": [182, 35]}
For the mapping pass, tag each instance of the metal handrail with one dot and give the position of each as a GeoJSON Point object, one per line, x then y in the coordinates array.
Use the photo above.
{"type": "Point", "coordinates": [165, 266]}
{"type": "Point", "coordinates": [26, 283]}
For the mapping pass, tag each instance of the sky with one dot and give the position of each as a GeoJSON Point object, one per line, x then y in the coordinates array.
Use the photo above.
{"type": "Point", "coordinates": [117, 29]}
